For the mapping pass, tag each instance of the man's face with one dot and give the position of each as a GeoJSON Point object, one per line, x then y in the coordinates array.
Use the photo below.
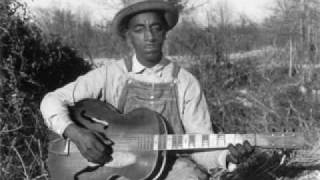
{"type": "Point", "coordinates": [146, 32]}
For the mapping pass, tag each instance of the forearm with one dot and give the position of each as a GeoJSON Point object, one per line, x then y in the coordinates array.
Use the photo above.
{"type": "Point", "coordinates": [54, 106]}
{"type": "Point", "coordinates": [55, 113]}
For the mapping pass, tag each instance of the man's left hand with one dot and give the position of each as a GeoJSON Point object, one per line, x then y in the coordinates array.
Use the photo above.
{"type": "Point", "coordinates": [239, 153]}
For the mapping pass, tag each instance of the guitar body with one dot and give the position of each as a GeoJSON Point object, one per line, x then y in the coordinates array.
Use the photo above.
{"type": "Point", "coordinates": [64, 159]}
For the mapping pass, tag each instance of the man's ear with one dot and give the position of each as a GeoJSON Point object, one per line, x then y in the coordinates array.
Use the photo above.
{"type": "Point", "coordinates": [128, 40]}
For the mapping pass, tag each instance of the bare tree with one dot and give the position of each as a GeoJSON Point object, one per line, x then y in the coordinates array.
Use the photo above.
{"type": "Point", "coordinates": [298, 21]}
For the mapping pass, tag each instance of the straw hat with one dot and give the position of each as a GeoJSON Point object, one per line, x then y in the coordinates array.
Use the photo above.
{"type": "Point", "coordinates": [133, 7]}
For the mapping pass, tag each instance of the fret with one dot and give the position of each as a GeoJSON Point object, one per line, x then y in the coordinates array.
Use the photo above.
{"type": "Point", "coordinates": [205, 141]}
{"type": "Point", "coordinates": [198, 140]}
{"type": "Point", "coordinates": [161, 143]}
{"type": "Point", "coordinates": [149, 143]}
{"type": "Point", "coordinates": [179, 140]}
{"type": "Point", "coordinates": [169, 142]}
{"type": "Point", "coordinates": [185, 140]}
{"type": "Point", "coordinates": [164, 142]}
{"type": "Point", "coordinates": [221, 140]}
{"type": "Point", "coordinates": [156, 142]}
{"type": "Point", "coordinates": [146, 147]}
{"type": "Point", "coordinates": [192, 141]}
{"type": "Point", "coordinates": [213, 140]}
{"type": "Point", "coordinates": [143, 142]}
{"type": "Point", "coordinates": [174, 142]}
{"type": "Point", "coordinates": [140, 142]}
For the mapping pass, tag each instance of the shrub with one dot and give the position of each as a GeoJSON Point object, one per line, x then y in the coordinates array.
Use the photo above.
{"type": "Point", "coordinates": [30, 66]}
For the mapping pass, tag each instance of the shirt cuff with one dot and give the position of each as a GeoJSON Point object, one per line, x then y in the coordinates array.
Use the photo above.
{"type": "Point", "coordinates": [60, 123]}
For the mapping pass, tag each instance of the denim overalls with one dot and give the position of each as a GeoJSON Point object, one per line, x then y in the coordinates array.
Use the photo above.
{"type": "Point", "coordinates": [159, 97]}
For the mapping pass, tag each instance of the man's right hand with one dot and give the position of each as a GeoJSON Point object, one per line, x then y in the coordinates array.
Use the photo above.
{"type": "Point", "coordinates": [94, 148]}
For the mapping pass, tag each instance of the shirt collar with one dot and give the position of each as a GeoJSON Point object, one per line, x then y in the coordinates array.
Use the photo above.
{"type": "Point", "coordinates": [137, 67]}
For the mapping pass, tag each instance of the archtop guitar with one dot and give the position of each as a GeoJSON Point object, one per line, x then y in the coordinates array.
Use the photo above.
{"type": "Point", "coordinates": [141, 142]}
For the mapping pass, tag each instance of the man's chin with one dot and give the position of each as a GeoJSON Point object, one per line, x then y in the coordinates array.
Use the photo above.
{"type": "Point", "coordinates": [153, 56]}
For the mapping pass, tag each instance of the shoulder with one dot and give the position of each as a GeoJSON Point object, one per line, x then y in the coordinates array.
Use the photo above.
{"type": "Point", "coordinates": [112, 65]}
{"type": "Point", "coordinates": [186, 82]}
{"type": "Point", "coordinates": [183, 74]}
{"type": "Point", "coordinates": [186, 78]}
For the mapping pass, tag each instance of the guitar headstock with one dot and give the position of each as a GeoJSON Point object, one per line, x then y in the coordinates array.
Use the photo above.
{"type": "Point", "coordinates": [282, 141]}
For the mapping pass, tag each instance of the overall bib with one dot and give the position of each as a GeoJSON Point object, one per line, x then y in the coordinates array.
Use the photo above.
{"type": "Point", "coordinates": [162, 98]}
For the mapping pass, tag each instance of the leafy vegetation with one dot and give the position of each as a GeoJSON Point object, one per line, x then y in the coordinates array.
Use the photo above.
{"type": "Point", "coordinates": [30, 66]}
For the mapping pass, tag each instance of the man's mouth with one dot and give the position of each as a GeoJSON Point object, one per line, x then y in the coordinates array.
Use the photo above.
{"type": "Point", "coordinates": [152, 47]}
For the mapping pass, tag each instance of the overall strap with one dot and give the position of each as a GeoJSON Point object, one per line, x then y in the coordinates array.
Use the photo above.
{"type": "Point", "coordinates": [175, 70]}
{"type": "Point", "coordinates": [128, 62]}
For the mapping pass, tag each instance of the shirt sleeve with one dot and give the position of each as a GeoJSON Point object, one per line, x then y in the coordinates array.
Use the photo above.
{"type": "Point", "coordinates": [54, 105]}
{"type": "Point", "coordinates": [196, 119]}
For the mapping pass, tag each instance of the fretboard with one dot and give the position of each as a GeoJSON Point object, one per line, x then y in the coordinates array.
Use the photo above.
{"type": "Point", "coordinates": [195, 141]}
{"type": "Point", "coordinates": [213, 141]}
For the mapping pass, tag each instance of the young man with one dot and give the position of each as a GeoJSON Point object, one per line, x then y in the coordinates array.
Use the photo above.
{"type": "Point", "coordinates": [145, 79]}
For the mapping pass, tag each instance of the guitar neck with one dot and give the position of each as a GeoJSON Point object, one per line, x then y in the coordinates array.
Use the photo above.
{"type": "Point", "coordinates": [198, 141]}
{"type": "Point", "coordinates": [215, 141]}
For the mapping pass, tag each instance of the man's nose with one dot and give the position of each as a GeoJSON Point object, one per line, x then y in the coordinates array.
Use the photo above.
{"type": "Point", "coordinates": [149, 36]}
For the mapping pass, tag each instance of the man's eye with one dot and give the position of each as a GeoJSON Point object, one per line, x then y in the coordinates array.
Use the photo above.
{"type": "Point", "coordinates": [157, 28]}
{"type": "Point", "coordinates": [138, 29]}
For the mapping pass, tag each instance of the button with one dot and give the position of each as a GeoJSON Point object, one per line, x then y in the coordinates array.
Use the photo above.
{"type": "Point", "coordinates": [152, 97]}
{"type": "Point", "coordinates": [175, 81]}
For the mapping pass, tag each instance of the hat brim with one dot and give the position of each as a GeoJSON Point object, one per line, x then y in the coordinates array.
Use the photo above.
{"type": "Point", "coordinates": [171, 14]}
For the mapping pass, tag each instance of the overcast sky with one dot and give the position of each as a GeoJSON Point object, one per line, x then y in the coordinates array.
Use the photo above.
{"type": "Point", "coordinates": [99, 10]}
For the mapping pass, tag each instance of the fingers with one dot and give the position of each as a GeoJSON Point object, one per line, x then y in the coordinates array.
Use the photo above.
{"type": "Point", "coordinates": [104, 139]}
{"type": "Point", "coordinates": [98, 153]}
{"type": "Point", "coordinates": [90, 153]}
{"type": "Point", "coordinates": [101, 152]}
{"type": "Point", "coordinates": [239, 153]}
{"type": "Point", "coordinates": [94, 147]}
{"type": "Point", "coordinates": [232, 159]}
{"type": "Point", "coordinates": [248, 147]}
{"type": "Point", "coordinates": [234, 154]}
{"type": "Point", "coordinates": [242, 151]}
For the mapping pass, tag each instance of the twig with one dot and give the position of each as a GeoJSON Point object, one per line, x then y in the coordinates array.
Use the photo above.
{"type": "Point", "coordinates": [41, 176]}
{"type": "Point", "coordinates": [34, 156]}
{"type": "Point", "coordinates": [21, 160]}
{"type": "Point", "coordinates": [266, 108]}
{"type": "Point", "coordinates": [4, 30]}
{"type": "Point", "coordinates": [11, 130]}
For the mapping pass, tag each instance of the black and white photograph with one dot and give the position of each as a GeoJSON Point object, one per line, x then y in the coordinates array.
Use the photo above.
{"type": "Point", "coordinates": [159, 90]}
